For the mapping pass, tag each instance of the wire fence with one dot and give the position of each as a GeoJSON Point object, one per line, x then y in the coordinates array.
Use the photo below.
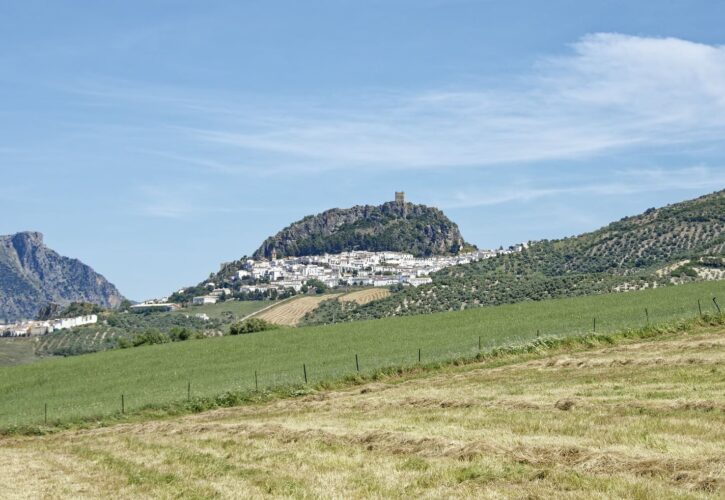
{"type": "Point", "coordinates": [258, 375]}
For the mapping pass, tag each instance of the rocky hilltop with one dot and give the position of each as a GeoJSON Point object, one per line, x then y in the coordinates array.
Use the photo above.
{"type": "Point", "coordinates": [32, 275]}
{"type": "Point", "coordinates": [663, 246]}
{"type": "Point", "coordinates": [393, 226]}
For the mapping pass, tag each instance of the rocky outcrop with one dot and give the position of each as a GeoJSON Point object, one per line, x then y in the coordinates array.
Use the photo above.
{"type": "Point", "coordinates": [393, 226]}
{"type": "Point", "coordinates": [32, 276]}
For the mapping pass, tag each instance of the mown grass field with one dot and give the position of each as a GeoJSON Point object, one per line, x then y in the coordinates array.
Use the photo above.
{"type": "Point", "coordinates": [291, 312]}
{"type": "Point", "coordinates": [91, 385]}
{"type": "Point", "coordinates": [365, 296]}
{"type": "Point", "coordinates": [622, 418]}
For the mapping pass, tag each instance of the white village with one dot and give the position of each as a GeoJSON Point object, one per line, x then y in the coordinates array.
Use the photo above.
{"type": "Point", "coordinates": [291, 275]}
{"type": "Point", "coordinates": [346, 269]}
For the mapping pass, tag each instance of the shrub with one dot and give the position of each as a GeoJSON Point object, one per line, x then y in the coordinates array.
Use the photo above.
{"type": "Point", "coordinates": [251, 325]}
{"type": "Point", "coordinates": [150, 337]}
{"type": "Point", "coordinates": [178, 334]}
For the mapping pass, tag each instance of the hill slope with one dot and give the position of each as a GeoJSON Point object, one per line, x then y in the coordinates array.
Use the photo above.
{"type": "Point", "coordinates": [676, 243]}
{"type": "Point", "coordinates": [394, 226]}
{"type": "Point", "coordinates": [32, 275]}
{"type": "Point", "coordinates": [525, 426]}
{"type": "Point", "coordinates": [276, 360]}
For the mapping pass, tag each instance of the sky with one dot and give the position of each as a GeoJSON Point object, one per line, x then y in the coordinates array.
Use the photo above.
{"type": "Point", "coordinates": [154, 140]}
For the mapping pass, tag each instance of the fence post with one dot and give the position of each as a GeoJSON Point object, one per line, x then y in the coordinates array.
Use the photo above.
{"type": "Point", "coordinates": [699, 307]}
{"type": "Point", "coordinates": [357, 364]}
{"type": "Point", "coordinates": [304, 369]}
{"type": "Point", "coordinates": [256, 382]}
{"type": "Point", "coordinates": [123, 405]}
{"type": "Point", "coordinates": [419, 355]}
{"type": "Point", "coordinates": [46, 413]}
{"type": "Point", "coordinates": [646, 313]}
{"type": "Point", "coordinates": [188, 391]}
{"type": "Point", "coordinates": [595, 324]}
{"type": "Point", "coordinates": [538, 333]}
{"type": "Point", "coordinates": [714, 301]}
{"type": "Point", "coordinates": [479, 342]}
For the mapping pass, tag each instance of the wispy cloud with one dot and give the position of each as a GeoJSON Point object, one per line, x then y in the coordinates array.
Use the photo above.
{"type": "Point", "coordinates": [620, 183]}
{"type": "Point", "coordinates": [608, 92]}
{"type": "Point", "coordinates": [611, 91]}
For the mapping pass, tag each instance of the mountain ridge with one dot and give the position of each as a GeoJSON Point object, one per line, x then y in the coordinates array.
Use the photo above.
{"type": "Point", "coordinates": [33, 275]}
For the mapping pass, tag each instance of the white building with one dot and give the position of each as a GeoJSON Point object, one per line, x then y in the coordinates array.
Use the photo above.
{"type": "Point", "coordinates": [62, 324]}
{"type": "Point", "coordinates": [205, 299]}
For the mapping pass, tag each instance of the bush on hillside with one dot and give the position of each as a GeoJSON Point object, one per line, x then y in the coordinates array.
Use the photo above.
{"type": "Point", "coordinates": [250, 326]}
{"type": "Point", "coordinates": [318, 285]}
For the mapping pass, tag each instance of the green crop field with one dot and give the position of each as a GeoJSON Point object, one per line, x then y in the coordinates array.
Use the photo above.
{"type": "Point", "coordinates": [238, 308]}
{"type": "Point", "coordinates": [91, 385]}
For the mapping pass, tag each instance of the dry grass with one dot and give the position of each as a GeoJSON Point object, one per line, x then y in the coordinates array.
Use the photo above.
{"type": "Point", "coordinates": [639, 420]}
{"type": "Point", "coordinates": [365, 296]}
{"type": "Point", "coordinates": [291, 313]}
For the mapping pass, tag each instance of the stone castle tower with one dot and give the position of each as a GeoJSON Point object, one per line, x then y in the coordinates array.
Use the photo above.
{"type": "Point", "coordinates": [400, 197]}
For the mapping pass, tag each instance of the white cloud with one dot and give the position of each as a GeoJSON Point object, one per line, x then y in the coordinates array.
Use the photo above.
{"type": "Point", "coordinates": [620, 183]}
{"type": "Point", "coordinates": [611, 91]}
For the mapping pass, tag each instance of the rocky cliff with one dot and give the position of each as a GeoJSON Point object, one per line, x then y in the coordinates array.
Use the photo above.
{"type": "Point", "coordinates": [393, 226]}
{"type": "Point", "coordinates": [32, 275]}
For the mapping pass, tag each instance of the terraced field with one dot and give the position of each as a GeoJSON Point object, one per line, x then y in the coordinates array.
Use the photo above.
{"type": "Point", "coordinates": [291, 312]}
{"type": "Point", "coordinates": [629, 419]}
{"type": "Point", "coordinates": [365, 296]}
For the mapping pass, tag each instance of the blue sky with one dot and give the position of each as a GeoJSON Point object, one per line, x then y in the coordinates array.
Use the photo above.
{"type": "Point", "coordinates": [155, 139]}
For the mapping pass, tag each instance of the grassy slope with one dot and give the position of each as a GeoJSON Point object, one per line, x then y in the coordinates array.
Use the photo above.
{"type": "Point", "coordinates": [85, 386]}
{"type": "Point", "coordinates": [238, 308]}
{"type": "Point", "coordinates": [636, 419]}
{"type": "Point", "coordinates": [16, 351]}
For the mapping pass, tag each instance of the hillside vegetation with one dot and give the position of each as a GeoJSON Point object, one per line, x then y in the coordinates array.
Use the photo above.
{"type": "Point", "coordinates": [674, 244]}
{"type": "Point", "coordinates": [563, 423]}
{"type": "Point", "coordinates": [400, 227]}
{"type": "Point", "coordinates": [116, 328]}
{"type": "Point", "coordinates": [222, 369]}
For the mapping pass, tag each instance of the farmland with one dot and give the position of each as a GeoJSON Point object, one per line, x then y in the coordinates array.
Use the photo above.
{"type": "Point", "coordinates": [115, 326]}
{"type": "Point", "coordinates": [365, 296]}
{"type": "Point", "coordinates": [17, 351]}
{"type": "Point", "coordinates": [234, 308]}
{"type": "Point", "coordinates": [90, 386]}
{"type": "Point", "coordinates": [291, 312]}
{"type": "Point", "coordinates": [629, 418]}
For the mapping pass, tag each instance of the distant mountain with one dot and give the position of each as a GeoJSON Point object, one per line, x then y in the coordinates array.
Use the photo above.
{"type": "Point", "coordinates": [32, 276]}
{"type": "Point", "coordinates": [669, 245]}
{"type": "Point", "coordinates": [393, 226]}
